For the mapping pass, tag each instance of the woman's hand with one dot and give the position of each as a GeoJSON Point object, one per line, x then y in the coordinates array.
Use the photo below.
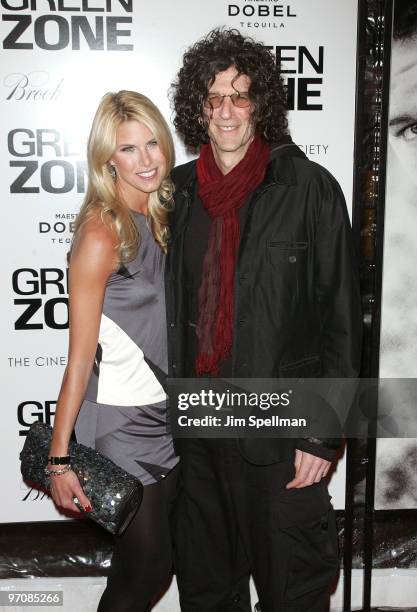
{"type": "Point", "coordinates": [64, 487]}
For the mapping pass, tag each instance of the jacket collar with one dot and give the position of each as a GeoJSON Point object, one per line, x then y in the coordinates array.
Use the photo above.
{"type": "Point", "coordinates": [280, 170]}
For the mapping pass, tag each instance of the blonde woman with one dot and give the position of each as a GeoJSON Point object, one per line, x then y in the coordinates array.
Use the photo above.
{"type": "Point", "coordinates": [111, 390]}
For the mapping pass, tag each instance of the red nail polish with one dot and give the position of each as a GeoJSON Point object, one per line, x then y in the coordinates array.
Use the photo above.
{"type": "Point", "coordinates": [87, 508]}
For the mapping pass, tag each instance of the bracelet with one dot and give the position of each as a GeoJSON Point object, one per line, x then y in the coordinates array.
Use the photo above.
{"type": "Point", "coordinates": [59, 460]}
{"type": "Point", "coordinates": [64, 470]}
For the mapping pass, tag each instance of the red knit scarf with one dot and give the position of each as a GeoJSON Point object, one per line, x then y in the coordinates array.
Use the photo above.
{"type": "Point", "coordinates": [222, 196]}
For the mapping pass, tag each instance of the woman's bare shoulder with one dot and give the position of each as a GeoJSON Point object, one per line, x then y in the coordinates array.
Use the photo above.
{"type": "Point", "coordinates": [96, 241]}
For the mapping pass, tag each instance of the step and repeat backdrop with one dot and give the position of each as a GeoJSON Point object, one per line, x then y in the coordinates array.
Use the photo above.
{"type": "Point", "coordinates": [58, 57]}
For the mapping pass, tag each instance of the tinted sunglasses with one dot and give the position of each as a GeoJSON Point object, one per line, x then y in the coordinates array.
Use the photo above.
{"type": "Point", "coordinates": [239, 99]}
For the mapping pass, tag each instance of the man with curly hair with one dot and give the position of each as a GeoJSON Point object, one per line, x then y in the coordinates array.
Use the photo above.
{"type": "Point", "coordinates": [260, 283]}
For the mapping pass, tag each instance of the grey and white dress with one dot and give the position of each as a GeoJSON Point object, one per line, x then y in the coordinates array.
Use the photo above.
{"type": "Point", "coordinates": [124, 414]}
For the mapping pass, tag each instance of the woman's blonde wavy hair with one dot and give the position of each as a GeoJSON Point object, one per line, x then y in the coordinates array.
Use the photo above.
{"type": "Point", "coordinates": [101, 192]}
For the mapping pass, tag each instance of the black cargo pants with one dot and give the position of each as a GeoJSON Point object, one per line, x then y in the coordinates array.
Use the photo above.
{"type": "Point", "coordinates": [234, 519]}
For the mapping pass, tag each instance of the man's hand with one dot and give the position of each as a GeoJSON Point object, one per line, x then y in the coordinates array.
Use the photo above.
{"type": "Point", "coordinates": [308, 470]}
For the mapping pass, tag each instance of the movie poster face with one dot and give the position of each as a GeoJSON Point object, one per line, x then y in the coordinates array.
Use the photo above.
{"type": "Point", "coordinates": [396, 459]}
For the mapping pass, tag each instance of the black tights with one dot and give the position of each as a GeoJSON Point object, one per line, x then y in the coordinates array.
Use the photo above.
{"type": "Point", "coordinates": [142, 557]}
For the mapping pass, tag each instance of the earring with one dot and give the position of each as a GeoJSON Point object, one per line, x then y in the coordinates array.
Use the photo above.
{"type": "Point", "coordinates": [112, 171]}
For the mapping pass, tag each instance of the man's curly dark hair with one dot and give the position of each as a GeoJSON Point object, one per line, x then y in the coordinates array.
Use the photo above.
{"type": "Point", "coordinates": [216, 52]}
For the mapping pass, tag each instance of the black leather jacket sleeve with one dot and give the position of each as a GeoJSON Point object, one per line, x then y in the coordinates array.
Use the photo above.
{"type": "Point", "coordinates": [337, 295]}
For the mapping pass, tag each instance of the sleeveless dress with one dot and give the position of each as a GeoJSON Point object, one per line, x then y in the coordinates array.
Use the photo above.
{"type": "Point", "coordinates": [124, 414]}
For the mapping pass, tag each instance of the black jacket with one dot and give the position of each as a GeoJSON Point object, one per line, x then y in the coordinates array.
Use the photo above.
{"type": "Point", "coordinates": [297, 302]}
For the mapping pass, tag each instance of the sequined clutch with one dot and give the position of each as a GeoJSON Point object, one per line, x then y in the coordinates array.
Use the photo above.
{"type": "Point", "coordinates": [115, 495]}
